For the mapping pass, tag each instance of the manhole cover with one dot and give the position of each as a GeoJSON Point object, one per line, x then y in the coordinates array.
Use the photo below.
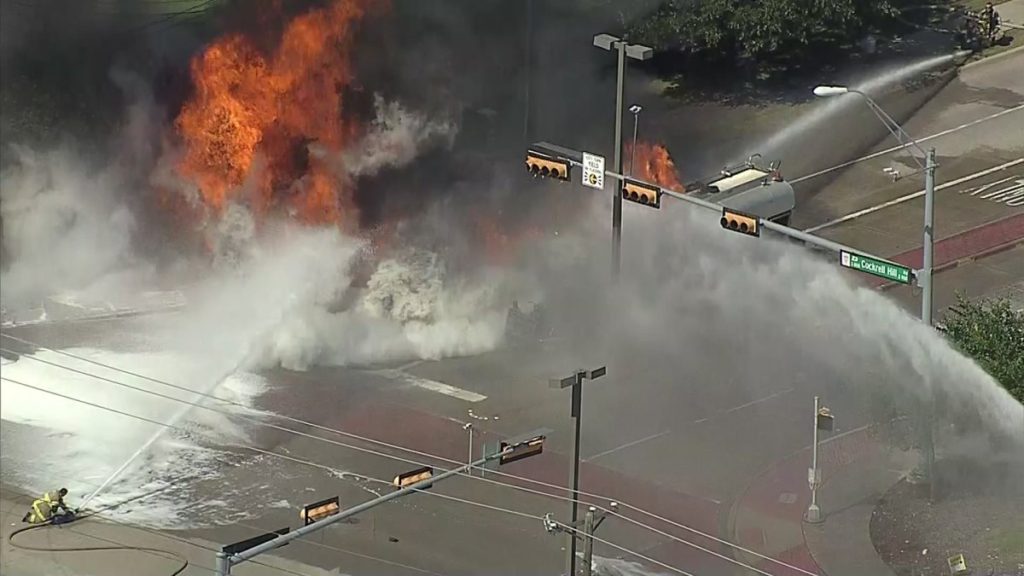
{"type": "Point", "coordinates": [787, 498]}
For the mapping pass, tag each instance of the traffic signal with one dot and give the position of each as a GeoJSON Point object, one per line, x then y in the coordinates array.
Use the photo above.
{"type": "Point", "coordinates": [417, 475]}
{"type": "Point", "coordinates": [319, 510]}
{"type": "Point", "coordinates": [641, 193]}
{"type": "Point", "coordinates": [521, 450]}
{"type": "Point", "coordinates": [547, 166]}
{"type": "Point", "coordinates": [740, 222]}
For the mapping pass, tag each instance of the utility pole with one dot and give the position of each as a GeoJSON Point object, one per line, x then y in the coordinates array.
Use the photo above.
{"type": "Point", "coordinates": [576, 382]}
{"type": "Point", "coordinates": [588, 541]}
{"type": "Point", "coordinates": [592, 520]}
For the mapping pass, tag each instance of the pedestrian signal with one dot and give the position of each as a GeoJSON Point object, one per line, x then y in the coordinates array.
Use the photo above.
{"type": "Point", "coordinates": [739, 222]}
{"type": "Point", "coordinates": [826, 421]}
{"type": "Point", "coordinates": [641, 193]}
{"type": "Point", "coordinates": [547, 166]}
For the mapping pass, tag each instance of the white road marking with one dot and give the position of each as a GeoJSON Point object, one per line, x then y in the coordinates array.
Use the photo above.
{"type": "Point", "coordinates": [627, 445]}
{"type": "Point", "coordinates": [758, 401]}
{"type": "Point", "coordinates": [919, 140]}
{"type": "Point", "coordinates": [701, 420]}
{"type": "Point", "coordinates": [911, 196]}
{"type": "Point", "coordinates": [434, 386]}
{"type": "Point", "coordinates": [838, 436]}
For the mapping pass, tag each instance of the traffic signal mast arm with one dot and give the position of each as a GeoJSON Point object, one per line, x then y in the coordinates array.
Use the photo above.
{"type": "Point", "coordinates": [225, 560]}
{"type": "Point", "coordinates": [762, 222]}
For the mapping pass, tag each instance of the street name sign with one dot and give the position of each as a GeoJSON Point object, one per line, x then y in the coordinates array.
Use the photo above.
{"type": "Point", "coordinates": [593, 171]}
{"type": "Point", "coordinates": [874, 266]}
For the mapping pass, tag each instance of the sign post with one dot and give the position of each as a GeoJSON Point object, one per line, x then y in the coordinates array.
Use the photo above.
{"type": "Point", "coordinates": [593, 171]}
{"type": "Point", "coordinates": [876, 267]}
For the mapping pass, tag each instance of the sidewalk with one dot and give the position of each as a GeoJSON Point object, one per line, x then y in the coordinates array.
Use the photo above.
{"type": "Point", "coordinates": [768, 517]}
{"type": "Point", "coordinates": [1012, 13]}
{"type": "Point", "coordinates": [92, 533]}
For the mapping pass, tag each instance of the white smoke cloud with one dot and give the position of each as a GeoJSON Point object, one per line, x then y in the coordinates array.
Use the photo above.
{"type": "Point", "coordinates": [395, 137]}
{"type": "Point", "coordinates": [411, 307]}
{"type": "Point", "coordinates": [64, 228]}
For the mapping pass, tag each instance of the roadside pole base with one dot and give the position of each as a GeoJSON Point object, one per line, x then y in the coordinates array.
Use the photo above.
{"type": "Point", "coordinates": [813, 515]}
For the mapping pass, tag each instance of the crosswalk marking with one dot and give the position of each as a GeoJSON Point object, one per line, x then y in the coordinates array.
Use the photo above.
{"type": "Point", "coordinates": [1008, 191]}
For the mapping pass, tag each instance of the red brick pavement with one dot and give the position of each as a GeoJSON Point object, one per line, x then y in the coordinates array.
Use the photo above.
{"type": "Point", "coordinates": [975, 242]}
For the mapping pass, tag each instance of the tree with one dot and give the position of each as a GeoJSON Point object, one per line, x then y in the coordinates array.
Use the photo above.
{"type": "Point", "coordinates": [991, 332]}
{"type": "Point", "coordinates": [761, 30]}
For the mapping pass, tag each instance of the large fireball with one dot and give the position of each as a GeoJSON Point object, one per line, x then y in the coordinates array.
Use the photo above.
{"type": "Point", "coordinates": [247, 128]}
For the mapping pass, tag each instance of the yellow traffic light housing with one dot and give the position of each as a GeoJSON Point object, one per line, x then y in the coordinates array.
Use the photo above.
{"type": "Point", "coordinates": [547, 166]}
{"type": "Point", "coordinates": [319, 510]}
{"type": "Point", "coordinates": [739, 222]}
{"type": "Point", "coordinates": [521, 450]}
{"type": "Point", "coordinates": [641, 193]}
{"type": "Point", "coordinates": [417, 475]}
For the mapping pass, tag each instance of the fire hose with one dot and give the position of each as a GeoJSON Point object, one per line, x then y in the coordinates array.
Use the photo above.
{"type": "Point", "coordinates": [76, 518]}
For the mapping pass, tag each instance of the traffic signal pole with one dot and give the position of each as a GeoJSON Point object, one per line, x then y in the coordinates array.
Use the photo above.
{"type": "Point", "coordinates": [225, 560]}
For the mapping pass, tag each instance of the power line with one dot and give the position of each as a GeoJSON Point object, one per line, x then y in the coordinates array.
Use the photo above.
{"type": "Point", "coordinates": [633, 521]}
{"type": "Point", "coordinates": [617, 547]}
{"type": "Point", "coordinates": [314, 464]}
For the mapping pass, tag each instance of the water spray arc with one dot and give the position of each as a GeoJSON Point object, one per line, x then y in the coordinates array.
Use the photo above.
{"type": "Point", "coordinates": [199, 396]}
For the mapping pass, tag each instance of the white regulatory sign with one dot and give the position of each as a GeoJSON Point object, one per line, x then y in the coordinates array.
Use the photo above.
{"type": "Point", "coordinates": [593, 171]}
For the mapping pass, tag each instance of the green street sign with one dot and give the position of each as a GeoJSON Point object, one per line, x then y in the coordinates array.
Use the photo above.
{"type": "Point", "coordinates": [881, 268]}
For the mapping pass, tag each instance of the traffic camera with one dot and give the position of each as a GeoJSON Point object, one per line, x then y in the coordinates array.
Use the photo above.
{"type": "Point", "coordinates": [641, 193]}
{"type": "Point", "coordinates": [547, 166]}
{"type": "Point", "coordinates": [739, 222]}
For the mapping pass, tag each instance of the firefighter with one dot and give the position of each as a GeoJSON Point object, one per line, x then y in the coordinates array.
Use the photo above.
{"type": "Point", "coordinates": [991, 23]}
{"type": "Point", "coordinates": [45, 508]}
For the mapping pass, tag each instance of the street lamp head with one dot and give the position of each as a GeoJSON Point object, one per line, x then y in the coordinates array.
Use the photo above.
{"type": "Point", "coordinates": [825, 91]}
{"type": "Point", "coordinates": [605, 41]}
{"type": "Point", "coordinates": [635, 108]}
{"type": "Point", "coordinates": [639, 52]}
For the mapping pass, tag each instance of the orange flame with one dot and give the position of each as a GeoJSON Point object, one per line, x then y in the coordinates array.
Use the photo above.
{"type": "Point", "coordinates": [252, 117]}
{"type": "Point", "coordinates": [501, 242]}
{"type": "Point", "coordinates": [652, 163]}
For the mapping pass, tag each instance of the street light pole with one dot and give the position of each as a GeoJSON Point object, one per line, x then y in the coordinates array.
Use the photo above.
{"type": "Point", "coordinates": [924, 276]}
{"type": "Point", "coordinates": [925, 281]}
{"type": "Point", "coordinates": [637, 52]}
{"type": "Point", "coordinates": [617, 198]}
{"type": "Point", "coordinates": [575, 381]}
{"type": "Point", "coordinates": [635, 109]}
